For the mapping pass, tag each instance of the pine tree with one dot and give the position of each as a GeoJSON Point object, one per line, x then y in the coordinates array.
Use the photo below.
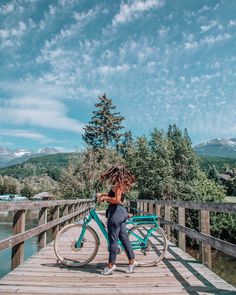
{"type": "Point", "coordinates": [103, 130]}
{"type": "Point", "coordinates": [184, 162]}
{"type": "Point", "coordinates": [126, 144]}
{"type": "Point", "coordinates": [161, 184]}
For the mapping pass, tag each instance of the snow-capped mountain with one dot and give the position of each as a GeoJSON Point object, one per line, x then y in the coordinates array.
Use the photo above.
{"type": "Point", "coordinates": [21, 152]}
{"type": "Point", "coordinates": [217, 147]}
{"type": "Point", "coordinates": [10, 157]}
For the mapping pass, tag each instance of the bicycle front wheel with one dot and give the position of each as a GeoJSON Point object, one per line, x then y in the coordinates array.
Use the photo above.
{"type": "Point", "coordinates": [154, 250]}
{"type": "Point", "coordinates": [65, 248]}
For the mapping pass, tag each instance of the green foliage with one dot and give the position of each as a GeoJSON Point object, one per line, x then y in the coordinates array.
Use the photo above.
{"type": "Point", "coordinates": [148, 159]}
{"type": "Point", "coordinates": [222, 165]}
{"type": "Point", "coordinates": [103, 130]}
{"type": "Point", "coordinates": [81, 178]}
{"type": "Point", "coordinates": [223, 226]}
{"type": "Point", "coordinates": [50, 165]}
{"type": "Point", "coordinates": [9, 185]}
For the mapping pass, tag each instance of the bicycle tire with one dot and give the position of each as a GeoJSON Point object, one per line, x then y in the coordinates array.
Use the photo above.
{"type": "Point", "coordinates": [67, 253]}
{"type": "Point", "coordinates": [154, 253]}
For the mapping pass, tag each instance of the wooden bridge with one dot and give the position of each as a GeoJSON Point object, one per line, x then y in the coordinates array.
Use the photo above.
{"type": "Point", "coordinates": [178, 273]}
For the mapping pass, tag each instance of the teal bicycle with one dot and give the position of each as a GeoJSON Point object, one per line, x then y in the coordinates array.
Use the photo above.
{"type": "Point", "coordinates": [77, 244]}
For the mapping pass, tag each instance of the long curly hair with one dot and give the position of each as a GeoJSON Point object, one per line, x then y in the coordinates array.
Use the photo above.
{"type": "Point", "coordinates": [119, 176]}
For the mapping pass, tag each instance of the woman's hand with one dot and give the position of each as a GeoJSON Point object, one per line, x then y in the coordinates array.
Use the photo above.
{"type": "Point", "coordinates": [100, 197]}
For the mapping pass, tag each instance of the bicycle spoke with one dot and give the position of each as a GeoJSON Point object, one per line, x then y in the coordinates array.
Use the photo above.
{"type": "Point", "coordinates": [65, 245]}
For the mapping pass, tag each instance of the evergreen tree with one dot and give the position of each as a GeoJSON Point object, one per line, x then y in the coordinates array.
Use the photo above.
{"type": "Point", "coordinates": [160, 166]}
{"type": "Point", "coordinates": [138, 160]}
{"type": "Point", "coordinates": [213, 173]}
{"type": "Point", "coordinates": [126, 144]}
{"type": "Point", "coordinates": [103, 130]}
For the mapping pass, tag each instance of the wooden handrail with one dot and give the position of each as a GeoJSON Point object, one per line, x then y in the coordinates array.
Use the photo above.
{"type": "Point", "coordinates": [70, 211]}
{"type": "Point", "coordinates": [208, 206]}
{"type": "Point", "coordinates": [30, 205]}
{"type": "Point", "coordinates": [206, 240]}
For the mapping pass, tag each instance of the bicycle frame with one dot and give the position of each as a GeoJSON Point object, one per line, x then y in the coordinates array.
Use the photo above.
{"type": "Point", "coordinates": [140, 243]}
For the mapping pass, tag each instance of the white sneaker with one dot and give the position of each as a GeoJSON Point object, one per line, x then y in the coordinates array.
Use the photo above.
{"type": "Point", "coordinates": [108, 271]}
{"type": "Point", "coordinates": [132, 266]}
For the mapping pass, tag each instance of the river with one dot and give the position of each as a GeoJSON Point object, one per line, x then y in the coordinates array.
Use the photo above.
{"type": "Point", "coordinates": [6, 231]}
{"type": "Point", "coordinates": [222, 264]}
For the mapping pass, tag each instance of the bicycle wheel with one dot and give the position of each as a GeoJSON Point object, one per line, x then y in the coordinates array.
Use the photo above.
{"type": "Point", "coordinates": [156, 247]}
{"type": "Point", "coordinates": [67, 253]}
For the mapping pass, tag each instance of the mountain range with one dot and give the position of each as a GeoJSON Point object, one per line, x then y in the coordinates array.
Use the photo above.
{"type": "Point", "coordinates": [217, 147]}
{"type": "Point", "coordinates": [10, 157]}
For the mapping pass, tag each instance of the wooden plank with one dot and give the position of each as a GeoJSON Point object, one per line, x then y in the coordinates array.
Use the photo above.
{"type": "Point", "coordinates": [55, 215]}
{"type": "Point", "coordinates": [145, 208]}
{"type": "Point", "coordinates": [181, 235]}
{"type": "Point", "coordinates": [205, 248]}
{"type": "Point", "coordinates": [150, 208]}
{"type": "Point", "coordinates": [158, 210]}
{"type": "Point", "coordinates": [208, 206]}
{"type": "Point", "coordinates": [29, 205]}
{"type": "Point", "coordinates": [167, 218]}
{"type": "Point", "coordinates": [17, 255]}
{"type": "Point", "coordinates": [42, 237]}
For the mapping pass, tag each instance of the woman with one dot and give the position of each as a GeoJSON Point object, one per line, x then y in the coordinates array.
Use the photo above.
{"type": "Point", "coordinates": [121, 180]}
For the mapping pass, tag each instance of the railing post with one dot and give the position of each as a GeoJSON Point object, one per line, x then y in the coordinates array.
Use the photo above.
{"type": "Point", "coordinates": [150, 209]}
{"type": "Point", "coordinates": [138, 206]}
{"type": "Point", "coordinates": [55, 215]}
{"type": "Point", "coordinates": [42, 237]}
{"type": "Point", "coordinates": [76, 208]}
{"type": "Point", "coordinates": [64, 213]}
{"type": "Point", "coordinates": [167, 217]}
{"type": "Point", "coordinates": [17, 256]}
{"type": "Point", "coordinates": [144, 208]}
{"type": "Point", "coordinates": [181, 235]}
{"type": "Point", "coordinates": [205, 229]}
{"type": "Point", "coordinates": [128, 206]}
{"type": "Point", "coordinates": [72, 210]}
{"type": "Point", "coordinates": [158, 210]}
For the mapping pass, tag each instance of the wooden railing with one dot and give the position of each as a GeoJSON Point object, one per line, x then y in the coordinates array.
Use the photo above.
{"type": "Point", "coordinates": [203, 236]}
{"type": "Point", "coordinates": [52, 215]}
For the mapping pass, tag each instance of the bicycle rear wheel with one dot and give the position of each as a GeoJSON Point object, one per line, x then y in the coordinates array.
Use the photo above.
{"type": "Point", "coordinates": [66, 251]}
{"type": "Point", "coordinates": [155, 249]}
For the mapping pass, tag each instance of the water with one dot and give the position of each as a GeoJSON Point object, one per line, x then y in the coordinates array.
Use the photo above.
{"type": "Point", "coordinates": [222, 264]}
{"type": "Point", "coordinates": [6, 231]}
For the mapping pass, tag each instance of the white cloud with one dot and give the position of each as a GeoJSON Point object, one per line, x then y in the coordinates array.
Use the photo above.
{"type": "Point", "coordinates": [190, 45]}
{"type": "Point", "coordinates": [37, 104]}
{"type": "Point", "coordinates": [204, 8]}
{"type": "Point", "coordinates": [208, 40]}
{"type": "Point", "coordinates": [132, 9]}
{"type": "Point", "coordinates": [232, 23]}
{"type": "Point", "coordinates": [4, 9]}
{"type": "Point", "coordinates": [211, 40]}
{"type": "Point", "coordinates": [206, 27]}
{"type": "Point", "coordinates": [163, 31]}
{"type": "Point", "coordinates": [111, 70]}
{"type": "Point", "coordinates": [26, 134]}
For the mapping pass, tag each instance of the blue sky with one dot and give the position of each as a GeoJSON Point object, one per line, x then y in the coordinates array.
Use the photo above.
{"type": "Point", "coordinates": [161, 61]}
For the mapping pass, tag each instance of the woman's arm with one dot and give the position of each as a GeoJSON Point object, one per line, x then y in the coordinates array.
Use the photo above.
{"type": "Point", "coordinates": [101, 195]}
{"type": "Point", "coordinates": [113, 200]}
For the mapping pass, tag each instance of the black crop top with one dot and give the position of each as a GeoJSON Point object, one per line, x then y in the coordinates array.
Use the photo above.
{"type": "Point", "coordinates": [111, 194]}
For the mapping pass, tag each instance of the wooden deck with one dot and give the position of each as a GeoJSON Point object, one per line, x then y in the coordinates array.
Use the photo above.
{"type": "Point", "coordinates": [177, 274]}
